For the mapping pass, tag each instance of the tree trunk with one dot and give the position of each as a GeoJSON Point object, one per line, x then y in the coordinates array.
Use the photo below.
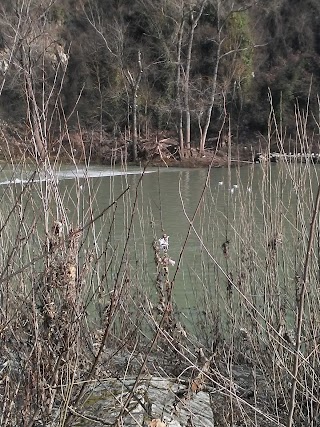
{"type": "Point", "coordinates": [134, 125]}
{"type": "Point", "coordinates": [204, 132]}
{"type": "Point", "coordinates": [178, 90]}
{"type": "Point", "coordinates": [134, 84]}
{"type": "Point", "coordinates": [187, 124]}
{"type": "Point", "coordinates": [33, 112]}
{"type": "Point", "coordinates": [194, 22]}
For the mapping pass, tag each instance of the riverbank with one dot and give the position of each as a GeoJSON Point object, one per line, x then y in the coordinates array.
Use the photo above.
{"type": "Point", "coordinates": [99, 147]}
{"type": "Point", "coordinates": [173, 402]}
{"type": "Point", "coordinates": [110, 308]}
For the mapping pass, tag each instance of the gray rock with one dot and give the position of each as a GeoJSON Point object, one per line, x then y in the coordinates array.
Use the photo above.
{"type": "Point", "coordinates": [155, 398]}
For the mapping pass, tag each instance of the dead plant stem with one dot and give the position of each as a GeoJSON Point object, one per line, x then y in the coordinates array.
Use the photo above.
{"type": "Point", "coordinates": [168, 304]}
{"type": "Point", "coordinates": [297, 355]}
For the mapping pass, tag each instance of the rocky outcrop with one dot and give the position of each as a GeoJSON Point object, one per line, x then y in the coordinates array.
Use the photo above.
{"type": "Point", "coordinates": [156, 400]}
{"type": "Point", "coordinates": [168, 402]}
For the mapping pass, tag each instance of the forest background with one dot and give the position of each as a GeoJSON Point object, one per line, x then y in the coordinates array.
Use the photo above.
{"type": "Point", "coordinates": [116, 78]}
{"type": "Point", "coordinates": [114, 81]}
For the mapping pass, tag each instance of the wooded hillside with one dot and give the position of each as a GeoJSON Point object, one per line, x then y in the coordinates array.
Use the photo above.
{"type": "Point", "coordinates": [138, 70]}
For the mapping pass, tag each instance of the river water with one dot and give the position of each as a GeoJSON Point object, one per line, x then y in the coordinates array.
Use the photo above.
{"type": "Point", "coordinates": [229, 249]}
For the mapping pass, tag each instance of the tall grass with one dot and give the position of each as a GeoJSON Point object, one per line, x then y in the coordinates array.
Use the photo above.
{"type": "Point", "coordinates": [261, 296]}
{"type": "Point", "coordinates": [80, 302]}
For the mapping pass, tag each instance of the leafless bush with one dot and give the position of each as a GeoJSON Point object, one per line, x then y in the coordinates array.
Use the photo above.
{"type": "Point", "coordinates": [74, 312]}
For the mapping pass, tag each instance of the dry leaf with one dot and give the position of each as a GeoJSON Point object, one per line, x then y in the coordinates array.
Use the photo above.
{"type": "Point", "coordinates": [156, 422]}
{"type": "Point", "coordinates": [197, 385]}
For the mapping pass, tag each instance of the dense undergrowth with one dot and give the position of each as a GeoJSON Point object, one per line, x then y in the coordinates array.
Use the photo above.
{"type": "Point", "coordinates": [199, 63]}
{"type": "Point", "coordinates": [79, 302]}
{"type": "Point", "coordinates": [75, 309]}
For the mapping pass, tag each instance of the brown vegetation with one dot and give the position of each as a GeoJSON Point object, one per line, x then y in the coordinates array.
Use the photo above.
{"type": "Point", "coordinates": [168, 83]}
{"type": "Point", "coordinates": [188, 69]}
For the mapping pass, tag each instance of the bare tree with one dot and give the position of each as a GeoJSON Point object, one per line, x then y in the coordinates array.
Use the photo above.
{"type": "Point", "coordinates": [194, 14]}
{"type": "Point", "coordinates": [118, 49]}
{"type": "Point", "coordinates": [223, 50]}
{"type": "Point", "coordinates": [39, 59]}
{"type": "Point", "coordinates": [176, 42]}
{"type": "Point", "coordinates": [134, 83]}
{"type": "Point", "coordinates": [195, 95]}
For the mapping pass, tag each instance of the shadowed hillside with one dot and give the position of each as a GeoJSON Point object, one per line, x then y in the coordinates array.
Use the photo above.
{"type": "Point", "coordinates": [157, 69]}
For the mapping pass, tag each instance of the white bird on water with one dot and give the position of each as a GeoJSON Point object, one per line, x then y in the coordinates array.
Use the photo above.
{"type": "Point", "coordinates": [164, 246]}
{"type": "Point", "coordinates": [164, 242]}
